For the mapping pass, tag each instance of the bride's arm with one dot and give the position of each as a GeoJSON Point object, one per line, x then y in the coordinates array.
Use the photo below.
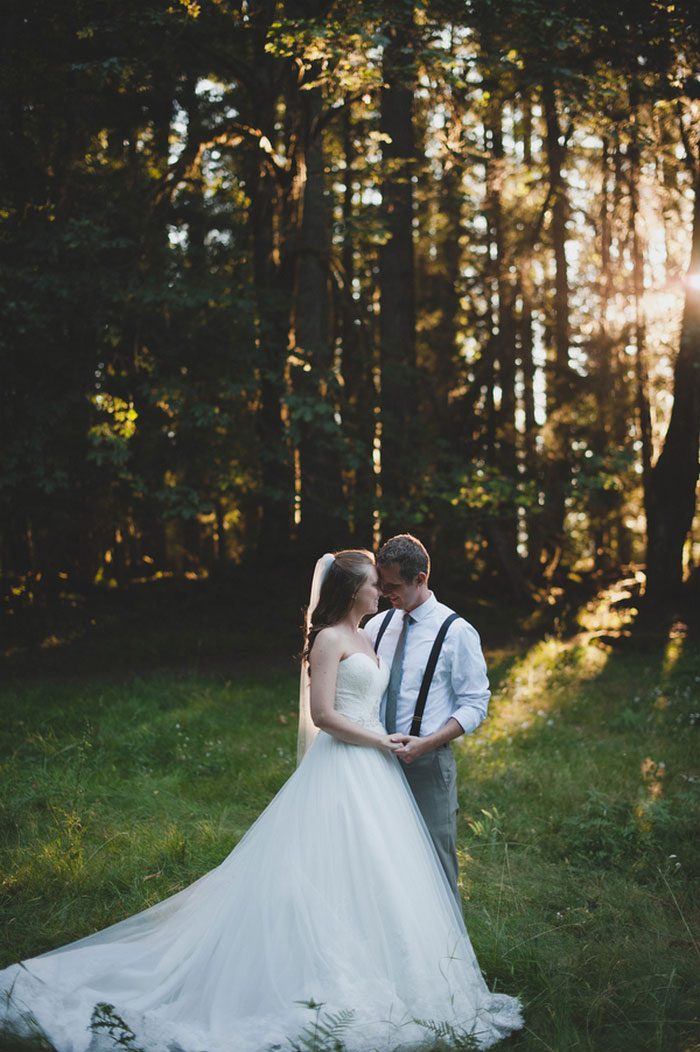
{"type": "Point", "coordinates": [325, 658]}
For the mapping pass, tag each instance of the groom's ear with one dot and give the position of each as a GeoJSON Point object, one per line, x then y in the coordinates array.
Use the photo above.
{"type": "Point", "coordinates": [421, 578]}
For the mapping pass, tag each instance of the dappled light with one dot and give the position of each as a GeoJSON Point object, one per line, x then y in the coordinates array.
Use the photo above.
{"type": "Point", "coordinates": [674, 647]}
{"type": "Point", "coordinates": [613, 609]}
{"type": "Point", "coordinates": [534, 690]}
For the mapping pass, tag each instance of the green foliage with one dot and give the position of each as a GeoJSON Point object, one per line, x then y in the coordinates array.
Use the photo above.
{"type": "Point", "coordinates": [106, 1020]}
{"type": "Point", "coordinates": [486, 490]}
{"type": "Point", "coordinates": [449, 1037]}
{"type": "Point", "coordinates": [580, 846]}
{"type": "Point", "coordinates": [156, 230]}
{"type": "Point", "coordinates": [338, 50]}
{"type": "Point", "coordinates": [325, 1033]}
{"type": "Point", "coordinates": [139, 754]}
{"type": "Point", "coordinates": [613, 833]}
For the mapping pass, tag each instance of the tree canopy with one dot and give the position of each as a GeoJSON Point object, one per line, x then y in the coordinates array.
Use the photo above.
{"type": "Point", "coordinates": [278, 278]}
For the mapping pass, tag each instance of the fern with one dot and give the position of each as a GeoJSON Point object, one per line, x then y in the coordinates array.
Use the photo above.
{"type": "Point", "coordinates": [450, 1037]}
{"type": "Point", "coordinates": [104, 1017]}
{"type": "Point", "coordinates": [323, 1035]}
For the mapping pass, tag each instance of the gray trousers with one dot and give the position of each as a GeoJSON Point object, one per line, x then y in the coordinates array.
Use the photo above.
{"type": "Point", "coordinates": [433, 782]}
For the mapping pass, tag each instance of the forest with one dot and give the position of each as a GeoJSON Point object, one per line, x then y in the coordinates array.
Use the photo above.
{"type": "Point", "coordinates": [278, 278]}
{"type": "Point", "coordinates": [285, 277]}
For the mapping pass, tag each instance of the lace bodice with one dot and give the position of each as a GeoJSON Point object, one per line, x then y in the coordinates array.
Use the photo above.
{"type": "Point", "coordinates": [359, 687]}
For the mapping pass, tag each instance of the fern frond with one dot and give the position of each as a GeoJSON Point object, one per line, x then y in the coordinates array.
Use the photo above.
{"type": "Point", "coordinates": [453, 1038]}
{"type": "Point", "coordinates": [324, 1034]}
{"type": "Point", "coordinates": [105, 1017]}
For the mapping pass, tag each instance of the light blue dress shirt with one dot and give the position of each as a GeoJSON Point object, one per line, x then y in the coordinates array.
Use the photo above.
{"type": "Point", "coordinates": [460, 686]}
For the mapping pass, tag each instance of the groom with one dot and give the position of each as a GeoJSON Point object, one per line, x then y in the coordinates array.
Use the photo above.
{"type": "Point", "coordinates": [454, 700]}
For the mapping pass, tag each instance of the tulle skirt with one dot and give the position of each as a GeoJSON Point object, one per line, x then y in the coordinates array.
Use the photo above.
{"type": "Point", "coordinates": [333, 910]}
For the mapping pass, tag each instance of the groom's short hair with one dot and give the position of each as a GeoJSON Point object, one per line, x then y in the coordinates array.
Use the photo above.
{"type": "Point", "coordinates": [408, 553]}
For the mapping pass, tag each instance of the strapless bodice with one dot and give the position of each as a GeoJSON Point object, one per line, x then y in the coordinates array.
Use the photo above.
{"type": "Point", "coordinates": [359, 687]}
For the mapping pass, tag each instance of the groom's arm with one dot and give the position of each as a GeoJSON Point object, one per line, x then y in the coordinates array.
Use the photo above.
{"type": "Point", "coordinates": [470, 693]}
{"type": "Point", "coordinates": [413, 747]}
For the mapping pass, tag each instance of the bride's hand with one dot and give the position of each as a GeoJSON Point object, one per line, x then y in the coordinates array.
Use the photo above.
{"type": "Point", "coordinates": [395, 741]}
{"type": "Point", "coordinates": [390, 742]}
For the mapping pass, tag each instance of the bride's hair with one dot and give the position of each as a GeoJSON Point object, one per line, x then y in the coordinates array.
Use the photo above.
{"type": "Point", "coordinates": [344, 578]}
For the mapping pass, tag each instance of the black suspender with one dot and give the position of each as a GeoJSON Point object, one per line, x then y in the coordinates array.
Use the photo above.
{"type": "Point", "coordinates": [383, 627]}
{"type": "Point", "coordinates": [429, 673]}
{"type": "Point", "coordinates": [429, 668]}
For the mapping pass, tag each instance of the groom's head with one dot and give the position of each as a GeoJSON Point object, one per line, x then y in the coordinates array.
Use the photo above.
{"type": "Point", "coordinates": [404, 567]}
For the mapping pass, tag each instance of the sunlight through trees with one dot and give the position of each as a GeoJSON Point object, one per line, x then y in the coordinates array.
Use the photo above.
{"type": "Point", "coordinates": [284, 277]}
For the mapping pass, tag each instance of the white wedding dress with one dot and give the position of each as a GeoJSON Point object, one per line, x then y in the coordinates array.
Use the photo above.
{"type": "Point", "coordinates": [334, 897]}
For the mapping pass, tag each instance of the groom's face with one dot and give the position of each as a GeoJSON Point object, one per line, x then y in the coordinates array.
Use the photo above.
{"type": "Point", "coordinates": [403, 595]}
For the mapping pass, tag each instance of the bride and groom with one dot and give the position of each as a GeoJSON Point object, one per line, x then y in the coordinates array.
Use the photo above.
{"type": "Point", "coordinates": [342, 896]}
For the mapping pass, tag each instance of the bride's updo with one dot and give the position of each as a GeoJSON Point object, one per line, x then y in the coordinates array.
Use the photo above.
{"type": "Point", "coordinates": [345, 576]}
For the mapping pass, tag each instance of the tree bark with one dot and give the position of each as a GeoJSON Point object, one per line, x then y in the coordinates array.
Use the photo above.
{"type": "Point", "coordinates": [559, 388]}
{"type": "Point", "coordinates": [356, 364]}
{"type": "Point", "coordinates": [526, 340]}
{"type": "Point", "coordinates": [322, 524]}
{"type": "Point", "coordinates": [642, 397]}
{"type": "Point", "coordinates": [396, 278]}
{"type": "Point", "coordinates": [272, 290]}
{"type": "Point", "coordinates": [673, 482]}
{"type": "Point", "coordinates": [502, 529]}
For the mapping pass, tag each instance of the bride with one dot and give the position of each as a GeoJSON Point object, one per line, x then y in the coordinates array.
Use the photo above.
{"type": "Point", "coordinates": [333, 907]}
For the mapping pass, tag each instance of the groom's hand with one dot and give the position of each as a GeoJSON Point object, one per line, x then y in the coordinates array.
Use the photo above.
{"type": "Point", "coordinates": [410, 747]}
{"type": "Point", "coordinates": [397, 742]}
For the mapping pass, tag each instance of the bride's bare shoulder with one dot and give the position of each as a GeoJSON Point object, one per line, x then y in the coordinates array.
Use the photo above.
{"type": "Point", "coordinates": [330, 636]}
{"type": "Point", "coordinates": [330, 644]}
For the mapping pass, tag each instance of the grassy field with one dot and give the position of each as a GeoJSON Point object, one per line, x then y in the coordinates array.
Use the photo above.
{"type": "Point", "coordinates": [580, 808]}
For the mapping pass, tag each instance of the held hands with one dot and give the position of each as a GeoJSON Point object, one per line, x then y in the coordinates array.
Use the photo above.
{"type": "Point", "coordinates": [408, 747]}
{"type": "Point", "coordinates": [393, 742]}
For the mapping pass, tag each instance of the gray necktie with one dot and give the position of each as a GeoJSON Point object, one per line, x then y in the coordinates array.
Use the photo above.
{"type": "Point", "coordinates": [392, 692]}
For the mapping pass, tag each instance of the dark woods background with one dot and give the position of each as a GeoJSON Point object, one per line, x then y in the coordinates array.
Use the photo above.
{"type": "Point", "coordinates": [278, 278]}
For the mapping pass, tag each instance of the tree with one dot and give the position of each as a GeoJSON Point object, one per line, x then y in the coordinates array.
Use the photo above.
{"type": "Point", "coordinates": [673, 482]}
{"type": "Point", "coordinates": [396, 273]}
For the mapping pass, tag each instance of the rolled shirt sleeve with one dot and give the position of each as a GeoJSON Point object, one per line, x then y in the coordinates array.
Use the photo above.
{"type": "Point", "coordinates": [470, 682]}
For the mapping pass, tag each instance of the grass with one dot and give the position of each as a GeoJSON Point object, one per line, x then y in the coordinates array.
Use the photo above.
{"type": "Point", "coordinates": [580, 808]}
{"type": "Point", "coordinates": [581, 801]}
{"type": "Point", "coordinates": [118, 795]}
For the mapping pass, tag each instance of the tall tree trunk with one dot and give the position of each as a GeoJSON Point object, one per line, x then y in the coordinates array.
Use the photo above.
{"type": "Point", "coordinates": [439, 360]}
{"type": "Point", "coordinates": [525, 335]}
{"type": "Point", "coordinates": [396, 277]}
{"type": "Point", "coordinates": [272, 290]}
{"type": "Point", "coordinates": [603, 376]}
{"type": "Point", "coordinates": [322, 524]}
{"type": "Point", "coordinates": [357, 365]}
{"type": "Point", "coordinates": [642, 396]}
{"type": "Point", "coordinates": [559, 389]}
{"type": "Point", "coordinates": [673, 483]}
{"type": "Point", "coordinates": [503, 523]}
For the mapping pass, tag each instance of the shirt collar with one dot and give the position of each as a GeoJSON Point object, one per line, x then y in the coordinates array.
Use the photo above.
{"type": "Point", "coordinates": [425, 608]}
